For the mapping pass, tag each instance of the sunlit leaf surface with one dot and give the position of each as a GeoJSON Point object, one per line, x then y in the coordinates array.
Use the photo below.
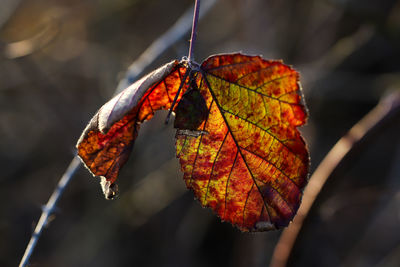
{"type": "Point", "coordinates": [237, 137]}
{"type": "Point", "coordinates": [247, 160]}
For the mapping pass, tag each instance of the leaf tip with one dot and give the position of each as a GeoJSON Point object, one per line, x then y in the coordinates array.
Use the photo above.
{"type": "Point", "coordinates": [110, 190]}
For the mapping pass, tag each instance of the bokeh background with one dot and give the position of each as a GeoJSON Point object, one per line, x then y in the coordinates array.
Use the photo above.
{"type": "Point", "coordinates": [60, 60]}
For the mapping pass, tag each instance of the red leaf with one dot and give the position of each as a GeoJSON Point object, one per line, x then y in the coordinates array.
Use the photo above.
{"type": "Point", "coordinates": [248, 161]}
{"type": "Point", "coordinates": [107, 141]}
{"type": "Point", "coordinates": [237, 139]}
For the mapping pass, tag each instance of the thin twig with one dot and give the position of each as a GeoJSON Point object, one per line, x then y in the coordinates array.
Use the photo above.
{"type": "Point", "coordinates": [190, 54]}
{"type": "Point", "coordinates": [165, 41]}
{"type": "Point", "coordinates": [194, 30]}
{"type": "Point", "coordinates": [48, 209]}
{"type": "Point", "coordinates": [179, 29]}
{"type": "Point", "coordinates": [176, 96]}
{"type": "Point", "coordinates": [377, 118]}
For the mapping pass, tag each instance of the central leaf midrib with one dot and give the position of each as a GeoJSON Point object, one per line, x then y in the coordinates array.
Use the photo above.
{"type": "Point", "coordinates": [233, 138]}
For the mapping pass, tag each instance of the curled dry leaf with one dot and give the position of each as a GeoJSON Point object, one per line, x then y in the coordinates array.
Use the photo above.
{"type": "Point", "coordinates": [237, 139]}
{"type": "Point", "coordinates": [107, 141]}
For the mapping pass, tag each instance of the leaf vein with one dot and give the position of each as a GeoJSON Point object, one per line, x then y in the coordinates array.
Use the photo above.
{"type": "Point", "coordinates": [229, 177]}
{"type": "Point", "coordinates": [266, 130]}
{"type": "Point", "coordinates": [212, 168]}
{"type": "Point", "coordinates": [229, 129]}
{"type": "Point", "coordinates": [242, 86]}
{"type": "Point", "coordinates": [269, 162]}
{"type": "Point", "coordinates": [247, 198]}
{"type": "Point", "coordinates": [273, 188]}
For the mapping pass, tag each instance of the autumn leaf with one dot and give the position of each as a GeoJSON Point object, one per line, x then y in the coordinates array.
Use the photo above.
{"type": "Point", "coordinates": [246, 159]}
{"type": "Point", "coordinates": [237, 139]}
{"type": "Point", "coordinates": [107, 141]}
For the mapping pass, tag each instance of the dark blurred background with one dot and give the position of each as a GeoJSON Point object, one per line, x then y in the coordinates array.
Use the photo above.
{"type": "Point", "coordinates": [61, 60]}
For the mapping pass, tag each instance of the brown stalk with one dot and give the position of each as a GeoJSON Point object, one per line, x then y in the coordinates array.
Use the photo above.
{"type": "Point", "coordinates": [387, 110]}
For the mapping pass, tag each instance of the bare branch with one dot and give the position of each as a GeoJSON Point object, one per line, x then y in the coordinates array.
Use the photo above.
{"type": "Point", "coordinates": [165, 41]}
{"type": "Point", "coordinates": [194, 29]}
{"type": "Point", "coordinates": [159, 46]}
{"type": "Point", "coordinates": [48, 209]}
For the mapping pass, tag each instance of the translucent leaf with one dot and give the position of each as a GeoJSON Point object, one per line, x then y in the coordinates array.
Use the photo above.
{"type": "Point", "coordinates": [107, 141]}
{"type": "Point", "coordinates": [248, 161]}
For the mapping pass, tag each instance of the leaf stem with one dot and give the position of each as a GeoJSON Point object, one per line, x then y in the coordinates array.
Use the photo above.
{"type": "Point", "coordinates": [194, 29]}
{"type": "Point", "coordinates": [176, 96]}
{"type": "Point", "coordinates": [161, 44]}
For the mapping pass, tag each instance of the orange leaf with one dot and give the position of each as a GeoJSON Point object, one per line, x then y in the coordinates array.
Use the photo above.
{"type": "Point", "coordinates": [107, 141]}
{"type": "Point", "coordinates": [246, 159]}
{"type": "Point", "coordinates": [237, 138]}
